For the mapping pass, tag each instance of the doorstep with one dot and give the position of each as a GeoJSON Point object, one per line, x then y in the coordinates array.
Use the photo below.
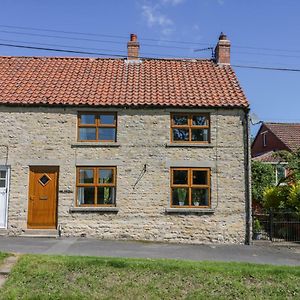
{"type": "Point", "coordinates": [3, 231]}
{"type": "Point", "coordinates": [40, 233]}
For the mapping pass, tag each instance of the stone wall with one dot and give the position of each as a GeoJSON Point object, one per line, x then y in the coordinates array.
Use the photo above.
{"type": "Point", "coordinates": [47, 136]}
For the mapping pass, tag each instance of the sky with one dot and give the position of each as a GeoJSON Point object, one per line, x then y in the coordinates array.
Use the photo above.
{"type": "Point", "coordinates": [262, 33]}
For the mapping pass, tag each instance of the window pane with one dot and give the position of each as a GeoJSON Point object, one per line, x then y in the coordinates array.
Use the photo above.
{"type": "Point", "coordinates": [280, 173]}
{"type": "Point", "coordinates": [86, 176]}
{"type": "Point", "coordinates": [87, 119]}
{"type": "Point", "coordinates": [107, 119]}
{"type": "Point", "coordinates": [180, 177]}
{"type": "Point", "coordinates": [107, 134]}
{"type": "Point", "coordinates": [86, 195]}
{"type": "Point", "coordinates": [87, 133]}
{"type": "Point", "coordinates": [200, 135]}
{"type": "Point", "coordinates": [106, 195]}
{"type": "Point", "coordinates": [44, 179]}
{"type": "Point", "coordinates": [180, 196]}
{"type": "Point", "coordinates": [180, 134]}
{"type": "Point", "coordinates": [199, 177]}
{"type": "Point", "coordinates": [180, 120]}
{"type": "Point", "coordinates": [2, 174]}
{"type": "Point", "coordinates": [105, 176]}
{"type": "Point", "coordinates": [200, 120]}
{"type": "Point", "coordinates": [2, 183]}
{"type": "Point", "coordinates": [200, 197]}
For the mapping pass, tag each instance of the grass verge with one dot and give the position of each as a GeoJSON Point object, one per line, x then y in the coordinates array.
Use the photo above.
{"type": "Point", "coordinates": [67, 277]}
{"type": "Point", "coordinates": [3, 256]}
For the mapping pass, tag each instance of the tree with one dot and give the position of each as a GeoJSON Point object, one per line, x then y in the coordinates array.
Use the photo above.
{"type": "Point", "coordinates": [285, 196]}
{"type": "Point", "coordinates": [293, 165]}
{"type": "Point", "coordinates": [263, 176]}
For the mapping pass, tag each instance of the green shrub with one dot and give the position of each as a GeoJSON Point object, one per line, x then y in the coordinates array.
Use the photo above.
{"type": "Point", "coordinates": [282, 197]}
{"type": "Point", "coordinates": [294, 197]}
{"type": "Point", "coordinates": [256, 226]}
{"type": "Point", "coordinates": [263, 176]}
{"type": "Point", "coordinates": [276, 197]}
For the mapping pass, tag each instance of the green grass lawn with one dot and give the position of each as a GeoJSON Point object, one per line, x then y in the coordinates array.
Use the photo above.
{"type": "Point", "coordinates": [66, 277]}
{"type": "Point", "coordinates": [2, 256]}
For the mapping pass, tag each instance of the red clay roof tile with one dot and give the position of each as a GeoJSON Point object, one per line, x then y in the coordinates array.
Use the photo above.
{"type": "Point", "coordinates": [115, 82]}
{"type": "Point", "coordinates": [288, 133]}
{"type": "Point", "coordinates": [268, 157]}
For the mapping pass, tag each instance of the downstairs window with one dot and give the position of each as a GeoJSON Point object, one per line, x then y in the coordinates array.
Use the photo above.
{"type": "Point", "coordinates": [190, 187]}
{"type": "Point", "coordinates": [96, 186]}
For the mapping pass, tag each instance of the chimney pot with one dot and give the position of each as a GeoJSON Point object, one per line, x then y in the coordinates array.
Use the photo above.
{"type": "Point", "coordinates": [222, 36]}
{"type": "Point", "coordinates": [133, 37]}
{"type": "Point", "coordinates": [133, 47]}
{"type": "Point", "coordinates": [222, 50]}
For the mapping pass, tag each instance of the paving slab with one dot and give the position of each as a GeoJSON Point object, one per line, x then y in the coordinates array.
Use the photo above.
{"type": "Point", "coordinates": [6, 266]}
{"type": "Point", "coordinates": [3, 278]}
{"type": "Point", "coordinates": [260, 254]}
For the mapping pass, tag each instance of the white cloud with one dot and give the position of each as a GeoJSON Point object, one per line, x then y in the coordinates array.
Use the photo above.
{"type": "Point", "coordinates": [172, 2]}
{"type": "Point", "coordinates": [154, 17]}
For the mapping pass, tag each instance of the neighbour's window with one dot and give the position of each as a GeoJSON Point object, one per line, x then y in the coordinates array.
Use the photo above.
{"type": "Point", "coordinates": [98, 127]}
{"type": "Point", "coordinates": [96, 186]}
{"type": "Point", "coordinates": [190, 187]}
{"type": "Point", "coordinates": [264, 137]}
{"type": "Point", "coordinates": [280, 173]}
{"type": "Point", "coordinates": [190, 128]}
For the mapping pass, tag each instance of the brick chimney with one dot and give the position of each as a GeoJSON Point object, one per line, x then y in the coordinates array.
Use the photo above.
{"type": "Point", "coordinates": [222, 50]}
{"type": "Point", "coordinates": [133, 47]}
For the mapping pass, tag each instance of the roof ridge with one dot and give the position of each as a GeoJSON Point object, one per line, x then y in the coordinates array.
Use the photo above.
{"type": "Point", "coordinates": [63, 57]}
{"type": "Point", "coordinates": [110, 58]}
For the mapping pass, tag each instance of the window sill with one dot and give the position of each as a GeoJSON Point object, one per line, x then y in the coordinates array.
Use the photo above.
{"type": "Point", "coordinates": [94, 144]}
{"type": "Point", "coordinates": [94, 209]}
{"type": "Point", "coordinates": [195, 145]}
{"type": "Point", "coordinates": [190, 210]}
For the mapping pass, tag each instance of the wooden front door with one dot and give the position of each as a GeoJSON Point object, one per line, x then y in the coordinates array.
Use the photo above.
{"type": "Point", "coordinates": [42, 203]}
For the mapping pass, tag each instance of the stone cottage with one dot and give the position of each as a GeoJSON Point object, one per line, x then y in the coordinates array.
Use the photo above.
{"type": "Point", "coordinates": [124, 148]}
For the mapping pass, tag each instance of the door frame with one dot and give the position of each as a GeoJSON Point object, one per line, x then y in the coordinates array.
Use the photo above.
{"type": "Point", "coordinates": [43, 167]}
{"type": "Point", "coordinates": [7, 169]}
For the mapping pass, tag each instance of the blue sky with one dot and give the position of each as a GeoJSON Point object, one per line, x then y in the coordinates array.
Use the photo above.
{"type": "Point", "coordinates": [264, 33]}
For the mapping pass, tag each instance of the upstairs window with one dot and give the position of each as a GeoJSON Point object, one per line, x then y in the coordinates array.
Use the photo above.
{"type": "Point", "coordinates": [190, 128]}
{"type": "Point", "coordinates": [264, 138]}
{"type": "Point", "coordinates": [190, 187]}
{"type": "Point", "coordinates": [97, 127]}
{"type": "Point", "coordinates": [96, 186]}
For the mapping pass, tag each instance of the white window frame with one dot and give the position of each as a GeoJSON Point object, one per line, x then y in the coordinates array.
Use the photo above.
{"type": "Point", "coordinates": [276, 173]}
{"type": "Point", "coordinates": [7, 169]}
{"type": "Point", "coordinates": [264, 137]}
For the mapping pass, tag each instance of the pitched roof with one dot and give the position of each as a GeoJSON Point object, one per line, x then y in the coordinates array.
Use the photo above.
{"type": "Point", "coordinates": [115, 82]}
{"type": "Point", "coordinates": [267, 157]}
{"type": "Point", "coordinates": [288, 133]}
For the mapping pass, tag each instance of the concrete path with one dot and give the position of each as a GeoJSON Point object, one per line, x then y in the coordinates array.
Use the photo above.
{"type": "Point", "coordinates": [6, 266]}
{"type": "Point", "coordinates": [92, 247]}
